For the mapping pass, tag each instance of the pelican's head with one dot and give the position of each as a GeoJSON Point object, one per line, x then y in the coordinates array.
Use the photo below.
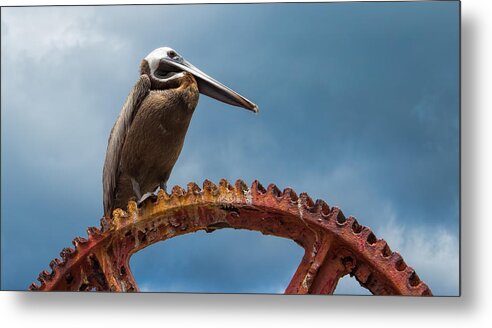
{"type": "Point", "coordinates": [166, 65]}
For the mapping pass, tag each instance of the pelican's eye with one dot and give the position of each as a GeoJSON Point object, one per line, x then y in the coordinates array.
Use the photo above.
{"type": "Point", "coordinates": [173, 55]}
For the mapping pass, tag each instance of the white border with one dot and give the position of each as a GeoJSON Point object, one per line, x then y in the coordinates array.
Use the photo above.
{"type": "Point", "coordinates": [131, 2]}
{"type": "Point", "coordinates": [471, 310]}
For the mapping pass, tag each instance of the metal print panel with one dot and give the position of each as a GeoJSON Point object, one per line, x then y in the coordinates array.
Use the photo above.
{"type": "Point", "coordinates": [301, 148]}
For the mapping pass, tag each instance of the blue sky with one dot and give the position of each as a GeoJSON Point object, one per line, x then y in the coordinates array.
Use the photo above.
{"type": "Point", "coordinates": [359, 107]}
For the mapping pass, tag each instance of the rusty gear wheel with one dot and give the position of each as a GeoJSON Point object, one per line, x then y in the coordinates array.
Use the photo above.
{"type": "Point", "coordinates": [334, 245]}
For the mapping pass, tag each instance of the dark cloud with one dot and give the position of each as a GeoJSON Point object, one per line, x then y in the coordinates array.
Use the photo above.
{"type": "Point", "coordinates": [359, 106]}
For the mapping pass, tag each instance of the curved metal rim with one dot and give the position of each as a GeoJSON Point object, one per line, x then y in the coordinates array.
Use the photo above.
{"type": "Point", "coordinates": [334, 245]}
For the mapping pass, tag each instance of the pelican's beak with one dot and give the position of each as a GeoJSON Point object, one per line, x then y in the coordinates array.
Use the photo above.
{"type": "Point", "coordinates": [213, 88]}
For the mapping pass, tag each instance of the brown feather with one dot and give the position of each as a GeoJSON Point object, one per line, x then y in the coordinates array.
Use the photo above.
{"type": "Point", "coordinates": [147, 138]}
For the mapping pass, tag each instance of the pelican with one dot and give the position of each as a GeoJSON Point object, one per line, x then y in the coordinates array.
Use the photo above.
{"type": "Point", "coordinates": [148, 135]}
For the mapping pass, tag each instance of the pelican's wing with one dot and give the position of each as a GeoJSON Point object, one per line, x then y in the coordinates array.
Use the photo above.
{"type": "Point", "coordinates": [117, 139]}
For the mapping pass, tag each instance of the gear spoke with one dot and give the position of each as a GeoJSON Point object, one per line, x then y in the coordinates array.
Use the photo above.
{"type": "Point", "coordinates": [315, 256]}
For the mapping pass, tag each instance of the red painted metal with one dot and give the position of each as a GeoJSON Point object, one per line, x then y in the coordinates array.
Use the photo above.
{"type": "Point", "coordinates": [334, 245]}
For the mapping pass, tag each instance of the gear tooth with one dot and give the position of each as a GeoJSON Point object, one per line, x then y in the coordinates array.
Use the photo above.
{"type": "Point", "coordinates": [241, 186]}
{"type": "Point", "coordinates": [371, 238]}
{"type": "Point", "coordinates": [119, 216]}
{"type": "Point", "coordinates": [273, 190]}
{"type": "Point", "coordinates": [290, 194]}
{"type": "Point", "coordinates": [48, 276]}
{"type": "Point", "coordinates": [79, 242]}
{"type": "Point", "coordinates": [224, 185]}
{"type": "Point", "coordinates": [210, 188]}
{"type": "Point", "coordinates": [132, 207]}
{"type": "Point", "coordinates": [44, 276]}
{"type": "Point", "coordinates": [306, 201]}
{"type": "Point", "coordinates": [356, 227]}
{"type": "Point", "coordinates": [67, 253]}
{"type": "Point", "coordinates": [93, 232]}
{"type": "Point", "coordinates": [257, 188]}
{"type": "Point", "coordinates": [340, 217]}
{"type": "Point", "coordinates": [413, 278]}
{"type": "Point", "coordinates": [59, 262]}
{"type": "Point", "coordinates": [398, 261]}
{"type": "Point", "coordinates": [383, 246]}
{"type": "Point", "coordinates": [162, 195]}
{"type": "Point", "coordinates": [54, 265]}
{"type": "Point", "coordinates": [177, 191]}
{"type": "Point", "coordinates": [320, 206]}
{"type": "Point", "coordinates": [349, 222]}
{"type": "Point", "coordinates": [368, 236]}
{"type": "Point", "coordinates": [33, 287]}
{"type": "Point", "coordinates": [209, 185]}
{"type": "Point", "coordinates": [193, 189]}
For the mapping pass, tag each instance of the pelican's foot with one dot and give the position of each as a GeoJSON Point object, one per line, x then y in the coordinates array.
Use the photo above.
{"type": "Point", "coordinates": [151, 195]}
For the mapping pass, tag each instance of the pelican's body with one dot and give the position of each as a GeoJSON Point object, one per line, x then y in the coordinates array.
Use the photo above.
{"type": "Point", "coordinates": [148, 136]}
{"type": "Point", "coordinates": [154, 140]}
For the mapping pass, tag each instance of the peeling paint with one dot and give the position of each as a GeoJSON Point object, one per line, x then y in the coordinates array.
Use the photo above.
{"type": "Point", "coordinates": [249, 196]}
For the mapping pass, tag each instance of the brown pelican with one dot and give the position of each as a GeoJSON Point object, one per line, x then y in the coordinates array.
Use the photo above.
{"type": "Point", "coordinates": [148, 135]}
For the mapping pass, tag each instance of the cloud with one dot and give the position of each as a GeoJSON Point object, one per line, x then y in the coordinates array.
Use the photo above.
{"type": "Point", "coordinates": [432, 251]}
{"type": "Point", "coordinates": [46, 34]}
{"type": "Point", "coordinates": [48, 93]}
